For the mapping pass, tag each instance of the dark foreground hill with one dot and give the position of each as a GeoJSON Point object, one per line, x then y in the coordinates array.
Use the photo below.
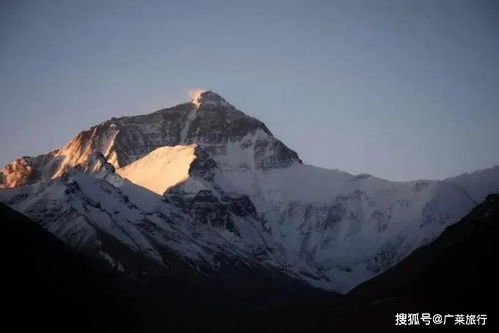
{"type": "Point", "coordinates": [51, 286]}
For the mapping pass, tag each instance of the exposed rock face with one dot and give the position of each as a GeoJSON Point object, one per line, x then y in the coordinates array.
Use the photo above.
{"type": "Point", "coordinates": [26, 170]}
{"type": "Point", "coordinates": [205, 181]}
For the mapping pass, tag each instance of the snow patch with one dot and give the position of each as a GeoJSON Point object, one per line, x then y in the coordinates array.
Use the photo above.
{"type": "Point", "coordinates": [161, 169]}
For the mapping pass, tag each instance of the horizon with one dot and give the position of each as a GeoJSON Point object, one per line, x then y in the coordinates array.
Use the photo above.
{"type": "Point", "coordinates": [398, 90]}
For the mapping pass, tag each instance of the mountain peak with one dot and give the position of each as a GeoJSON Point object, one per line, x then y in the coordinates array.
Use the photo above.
{"type": "Point", "coordinates": [234, 140]}
{"type": "Point", "coordinates": [209, 98]}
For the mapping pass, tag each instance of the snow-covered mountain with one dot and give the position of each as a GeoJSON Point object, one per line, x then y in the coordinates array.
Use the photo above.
{"type": "Point", "coordinates": [208, 184]}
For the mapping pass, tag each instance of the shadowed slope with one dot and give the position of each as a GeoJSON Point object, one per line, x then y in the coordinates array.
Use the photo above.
{"type": "Point", "coordinates": [51, 286]}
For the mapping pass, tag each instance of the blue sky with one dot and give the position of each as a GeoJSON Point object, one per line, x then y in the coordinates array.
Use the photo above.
{"type": "Point", "coordinates": [399, 89]}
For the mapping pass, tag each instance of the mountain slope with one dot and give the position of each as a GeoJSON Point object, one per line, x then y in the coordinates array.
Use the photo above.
{"type": "Point", "coordinates": [478, 184]}
{"type": "Point", "coordinates": [161, 169]}
{"type": "Point", "coordinates": [453, 275]}
{"type": "Point", "coordinates": [50, 286]}
{"type": "Point", "coordinates": [229, 188]}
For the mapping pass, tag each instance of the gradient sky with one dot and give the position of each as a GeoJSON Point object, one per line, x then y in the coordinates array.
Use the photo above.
{"type": "Point", "coordinates": [398, 89]}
